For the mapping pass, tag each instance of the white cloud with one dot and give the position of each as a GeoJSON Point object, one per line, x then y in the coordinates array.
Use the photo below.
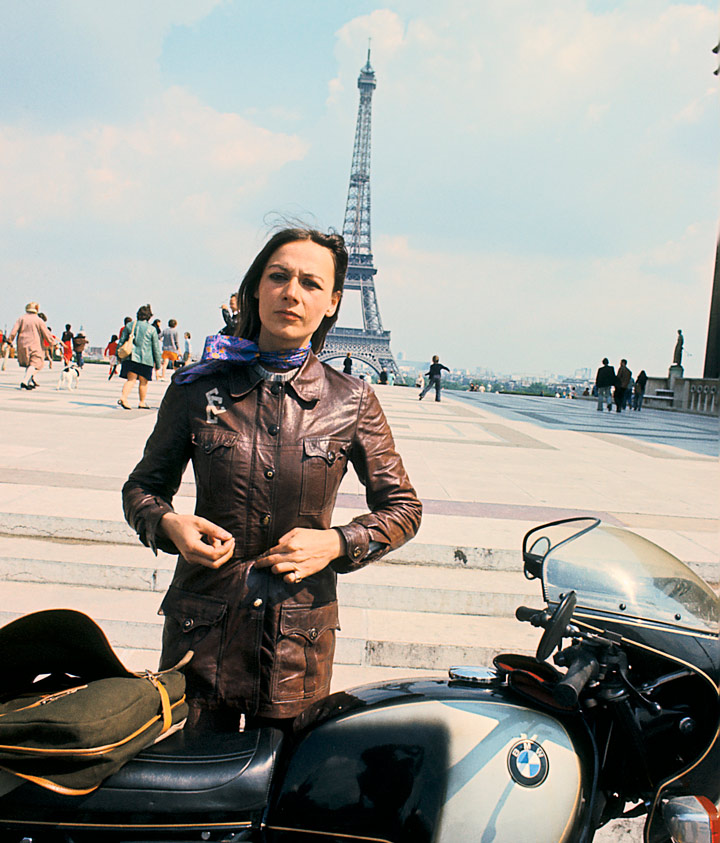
{"type": "Point", "coordinates": [181, 159]}
{"type": "Point", "coordinates": [538, 312]}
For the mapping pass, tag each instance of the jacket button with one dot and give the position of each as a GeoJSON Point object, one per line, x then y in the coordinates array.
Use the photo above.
{"type": "Point", "coordinates": [188, 623]}
{"type": "Point", "coordinates": [265, 520]}
{"type": "Point", "coordinates": [269, 474]}
{"type": "Point", "coordinates": [312, 634]}
{"type": "Point", "coordinates": [356, 552]}
{"type": "Point", "coordinates": [331, 457]}
{"type": "Point", "coordinates": [257, 603]}
{"type": "Point", "coordinates": [273, 430]}
{"type": "Point", "coordinates": [276, 388]}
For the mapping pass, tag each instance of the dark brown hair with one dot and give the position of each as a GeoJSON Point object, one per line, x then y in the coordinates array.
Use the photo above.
{"type": "Point", "coordinates": [249, 321]}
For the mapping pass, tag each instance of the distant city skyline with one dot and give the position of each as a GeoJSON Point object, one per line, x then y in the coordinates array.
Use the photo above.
{"type": "Point", "coordinates": [544, 176]}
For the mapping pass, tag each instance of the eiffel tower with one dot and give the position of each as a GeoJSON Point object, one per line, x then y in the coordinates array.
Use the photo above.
{"type": "Point", "coordinates": [371, 343]}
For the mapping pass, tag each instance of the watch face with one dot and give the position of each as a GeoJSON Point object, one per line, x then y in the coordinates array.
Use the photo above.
{"type": "Point", "coordinates": [528, 763]}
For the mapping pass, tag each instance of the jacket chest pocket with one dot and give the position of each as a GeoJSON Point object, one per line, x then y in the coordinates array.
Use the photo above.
{"type": "Point", "coordinates": [305, 650]}
{"type": "Point", "coordinates": [324, 462]}
{"type": "Point", "coordinates": [193, 622]}
{"type": "Point", "coordinates": [213, 457]}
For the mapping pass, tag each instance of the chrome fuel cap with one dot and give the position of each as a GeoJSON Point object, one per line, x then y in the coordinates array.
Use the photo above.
{"type": "Point", "coordinates": [474, 675]}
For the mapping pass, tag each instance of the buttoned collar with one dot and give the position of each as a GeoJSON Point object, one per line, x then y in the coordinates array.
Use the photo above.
{"type": "Point", "coordinates": [307, 384]}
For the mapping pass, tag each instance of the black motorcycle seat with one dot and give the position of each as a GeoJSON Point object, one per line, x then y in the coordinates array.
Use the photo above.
{"type": "Point", "coordinates": [180, 777]}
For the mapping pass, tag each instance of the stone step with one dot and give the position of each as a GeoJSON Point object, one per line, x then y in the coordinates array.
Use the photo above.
{"type": "Point", "coordinates": [107, 533]}
{"type": "Point", "coordinates": [379, 586]}
{"type": "Point", "coordinates": [369, 637]}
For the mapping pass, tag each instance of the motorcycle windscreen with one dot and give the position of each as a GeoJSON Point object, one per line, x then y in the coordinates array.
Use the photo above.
{"type": "Point", "coordinates": [623, 575]}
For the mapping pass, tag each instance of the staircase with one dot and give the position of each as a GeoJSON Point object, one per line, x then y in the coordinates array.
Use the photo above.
{"type": "Point", "coordinates": [420, 609]}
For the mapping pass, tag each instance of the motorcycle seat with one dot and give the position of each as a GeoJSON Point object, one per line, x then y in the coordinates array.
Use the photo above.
{"type": "Point", "coordinates": [179, 779]}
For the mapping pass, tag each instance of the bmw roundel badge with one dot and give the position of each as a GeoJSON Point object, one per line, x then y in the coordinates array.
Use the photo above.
{"type": "Point", "coordinates": [528, 763]}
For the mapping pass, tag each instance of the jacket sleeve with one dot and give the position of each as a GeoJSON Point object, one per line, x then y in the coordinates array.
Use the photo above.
{"type": "Point", "coordinates": [147, 495]}
{"type": "Point", "coordinates": [157, 356]}
{"type": "Point", "coordinates": [395, 510]}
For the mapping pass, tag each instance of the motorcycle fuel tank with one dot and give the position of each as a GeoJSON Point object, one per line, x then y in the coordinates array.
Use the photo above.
{"type": "Point", "coordinates": [444, 767]}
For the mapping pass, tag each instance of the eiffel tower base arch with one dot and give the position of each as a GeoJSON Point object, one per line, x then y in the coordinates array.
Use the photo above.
{"type": "Point", "coordinates": [372, 348]}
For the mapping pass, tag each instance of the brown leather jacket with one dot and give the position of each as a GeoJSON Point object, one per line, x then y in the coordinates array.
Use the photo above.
{"type": "Point", "coordinates": [267, 457]}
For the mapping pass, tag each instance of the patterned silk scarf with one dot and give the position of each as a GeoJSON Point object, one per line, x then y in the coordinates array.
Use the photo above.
{"type": "Point", "coordinates": [221, 351]}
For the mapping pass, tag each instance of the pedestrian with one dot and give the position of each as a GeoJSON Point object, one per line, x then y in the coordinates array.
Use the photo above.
{"type": "Point", "coordinates": [79, 343]}
{"type": "Point", "coordinates": [391, 378]}
{"type": "Point", "coordinates": [230, 316]}
{"type": "Point", "coordinates": [270, 437]}
{"type": "Point", "coordinates": [622, 380]}
{"type": "Point", "coordinates": [7, 349]}
{"type": "Point", "coordinates": [145, 355]}
{"type": "Point", "coordinates": [347, 364]}
{"type": "Point", "coordinates": [419, 381]}
{"type": "Point", "coordinates": [640, 384]}
{"type": "Point", "coordinates": [48, 347]}
{"type": "Point", "coordinates": [628, 398]}
{"type": "Point", "coordinates": [383, 376]}
{"type": "Point", "coordinates": [157, 324]}
{"type": "Point", "coordinates": [187, 350]}
{"type": "Point", "coordinates": [170, 347]}
{"type": "Point", "coordinates": [111, 353]}
{"type": "Point", "coordinates": [434, 377]}
{"type": "Point", "coordinates": [30, 331]}
{"type": "Point", "coordinates": [604, 382]}
{"type": "Point", "coordinates": [67, 343]}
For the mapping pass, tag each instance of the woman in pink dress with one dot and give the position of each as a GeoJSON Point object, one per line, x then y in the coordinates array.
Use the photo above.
{"type": "Point", "coordinates": [31, 333]}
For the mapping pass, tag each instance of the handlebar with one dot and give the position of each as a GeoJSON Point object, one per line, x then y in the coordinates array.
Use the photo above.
{"type": "Point", "coordinates": [537, 617]}
{"type": "Point", "coordinates": [525, 613]}
{"type": "Point", "coordinates": [582, 670]}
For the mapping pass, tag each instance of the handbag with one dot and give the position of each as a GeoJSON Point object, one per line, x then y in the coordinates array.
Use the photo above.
{"type": "Point", "coordinates": [70, 713]}
{"type": "Point", "coordinates": [125, 350]}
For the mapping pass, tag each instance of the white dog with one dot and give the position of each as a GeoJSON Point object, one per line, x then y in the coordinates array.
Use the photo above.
{"type": "Point", "coordinates": [69, 377]}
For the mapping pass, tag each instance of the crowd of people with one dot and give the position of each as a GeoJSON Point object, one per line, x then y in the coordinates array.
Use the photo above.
{"type": "Point", "coordinates": [619, 387]}
{"type": "Point", "coordinates": [131, 352]}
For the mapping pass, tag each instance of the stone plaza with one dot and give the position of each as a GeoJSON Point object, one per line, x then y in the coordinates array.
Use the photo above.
{"type": "Point", "coordinates": [488, 467]}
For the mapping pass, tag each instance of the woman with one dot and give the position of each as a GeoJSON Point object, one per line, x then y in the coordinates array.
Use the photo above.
{"type": "Point", "coordinates": [67, 343]}
{"type": "Point", "coordinates": [145, 354]}
{"type": "Point", "coordinates": [270, 437]}
{"type": "Point", "coordinates": [31, 333]}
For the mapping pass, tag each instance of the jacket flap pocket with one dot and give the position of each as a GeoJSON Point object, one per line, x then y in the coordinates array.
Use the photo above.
{"type": "Point", "coordinates": [325, 447]}
{"type": "Point", "coordinates": [209, 440]}
{"type": "Point", "coordinates": [192, 610]}
{"type": "Point", "coordinates": [310, 622]}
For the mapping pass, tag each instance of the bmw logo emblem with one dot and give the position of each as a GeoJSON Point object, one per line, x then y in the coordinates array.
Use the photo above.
{"type": "Point", "coordinates": [528, 763]}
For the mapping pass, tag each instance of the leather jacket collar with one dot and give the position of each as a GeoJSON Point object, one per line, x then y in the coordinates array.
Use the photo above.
{"type": "Point", "coordinates": [307, 384]}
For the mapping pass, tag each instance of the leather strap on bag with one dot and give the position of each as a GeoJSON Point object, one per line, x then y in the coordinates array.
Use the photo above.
{"type": "Point", "coordinates": [164, 701]}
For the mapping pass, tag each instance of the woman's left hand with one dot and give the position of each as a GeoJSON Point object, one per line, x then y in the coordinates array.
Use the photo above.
{"type": "Point", "coordinates": [302, 552]}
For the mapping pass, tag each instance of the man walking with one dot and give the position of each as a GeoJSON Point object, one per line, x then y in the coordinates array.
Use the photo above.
{"type": "Point", "coordinates": [624, 376]}
{"type": "Point", "coordinates": [604, 382]}
{"type": "Point", "coordinates": [434, 378]}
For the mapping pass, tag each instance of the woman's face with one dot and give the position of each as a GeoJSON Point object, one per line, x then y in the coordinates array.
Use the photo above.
{"type": "Point", "coordinates": [295, 294]}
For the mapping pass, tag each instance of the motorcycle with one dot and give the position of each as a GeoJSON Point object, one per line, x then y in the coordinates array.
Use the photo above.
{"type": "Point", "coordinates": [625, 723]}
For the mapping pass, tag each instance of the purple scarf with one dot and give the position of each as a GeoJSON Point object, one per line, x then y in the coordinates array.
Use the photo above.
{"type": "Point", "coordinates": [221, 351]}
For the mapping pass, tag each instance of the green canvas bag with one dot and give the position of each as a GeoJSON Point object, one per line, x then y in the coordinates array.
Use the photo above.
{"type": "Point", "coordinates": [70, 713]}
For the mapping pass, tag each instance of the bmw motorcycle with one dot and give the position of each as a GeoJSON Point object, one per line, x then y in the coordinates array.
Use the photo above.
{"type": "Point", "coordinates": [625, 723]}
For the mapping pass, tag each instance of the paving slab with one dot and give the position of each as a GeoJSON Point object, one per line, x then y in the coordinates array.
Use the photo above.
{"type": "Point", "coordinates": [487, 467]}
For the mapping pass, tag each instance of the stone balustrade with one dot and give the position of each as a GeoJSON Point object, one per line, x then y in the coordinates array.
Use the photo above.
{"type": "Point", "coordinates": [690, 395]}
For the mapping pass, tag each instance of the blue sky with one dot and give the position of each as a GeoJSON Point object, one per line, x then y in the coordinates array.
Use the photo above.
{"type": "Point", "coordinates": [544, 175]}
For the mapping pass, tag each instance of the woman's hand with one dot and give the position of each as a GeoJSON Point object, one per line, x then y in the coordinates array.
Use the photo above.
{"type": "Point", "coordinates": [302, 552]}
{"type": "Point", "coordinates": [198, 540]}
